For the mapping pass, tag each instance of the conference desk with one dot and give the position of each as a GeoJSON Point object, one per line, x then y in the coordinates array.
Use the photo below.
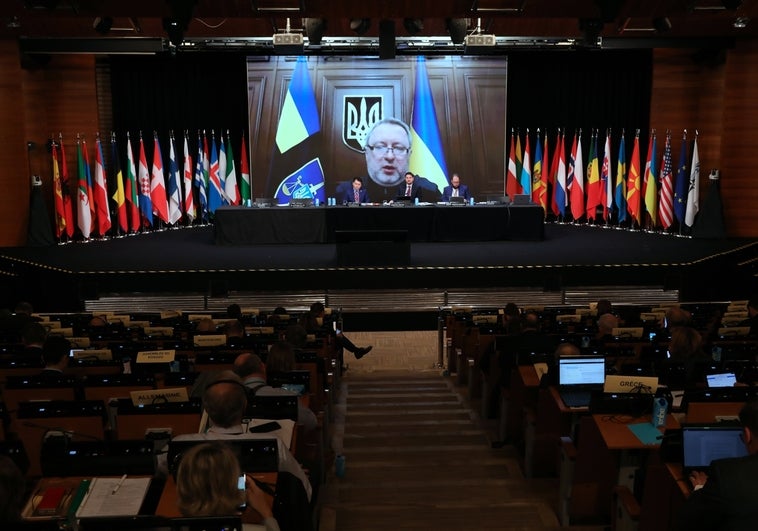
{"type": "Point", "coordinates": [236, 225]}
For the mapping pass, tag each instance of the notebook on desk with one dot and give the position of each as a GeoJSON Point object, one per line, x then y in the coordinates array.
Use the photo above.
{"type": "Point", "coordinates": [704, 443]}
{"type": "Point", "coordinates": [578, 377]}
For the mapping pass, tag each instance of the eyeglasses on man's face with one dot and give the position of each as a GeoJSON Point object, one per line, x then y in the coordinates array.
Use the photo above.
{"type": "Point", "coordinates": [381, 150]}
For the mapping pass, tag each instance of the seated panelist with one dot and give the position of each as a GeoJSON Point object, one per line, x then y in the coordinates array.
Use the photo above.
{"type": "Point", "coordinates": [456, 189]}
{"type": "Point", "coordinates": [410, 188]}
{"type": "Point", "coordinates": [357, 193]}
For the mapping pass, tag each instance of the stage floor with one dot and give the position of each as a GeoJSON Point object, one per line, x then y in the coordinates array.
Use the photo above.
{"type": "Point", "coordinates": [569, 255]}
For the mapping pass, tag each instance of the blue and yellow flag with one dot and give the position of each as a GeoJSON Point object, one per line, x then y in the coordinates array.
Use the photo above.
{"type": "Point", "coordinates": [296, 170]}
{"type": "Point", "coordinates": [427, 156]}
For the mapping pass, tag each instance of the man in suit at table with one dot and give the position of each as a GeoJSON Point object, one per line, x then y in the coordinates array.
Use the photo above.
{"type": "Point", "coordinates": [727, 498]}
{"type": "Point", "coordinates": [357, 193]}
{"type": "Point", "coordinates": [456, 189]}
{"type": "Point", "coordinates": [410, 188]}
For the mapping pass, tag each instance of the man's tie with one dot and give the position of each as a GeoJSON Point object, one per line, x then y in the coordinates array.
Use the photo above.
{"type": "Point", "coordinates": [356, 196]}
{"type": "Point", "coordinates": [455, 192]}
{"type": "Point", "coordinates": [408, 190]}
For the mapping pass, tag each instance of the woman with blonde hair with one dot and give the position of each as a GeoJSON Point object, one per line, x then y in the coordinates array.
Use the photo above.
{"type": "Point", "coordinates": [207, 485]}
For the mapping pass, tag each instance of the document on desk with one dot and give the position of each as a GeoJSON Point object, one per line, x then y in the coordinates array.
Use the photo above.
{"type": "Point", "coordinates": [646, 433]}
{"type": "Point", "coordinates": [284, 432]}
{"type": "Point", "coordinates": [114, 497]}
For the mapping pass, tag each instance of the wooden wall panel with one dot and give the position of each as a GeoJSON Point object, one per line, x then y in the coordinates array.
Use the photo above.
{"type": "Point", "coordinates": [14, 177]}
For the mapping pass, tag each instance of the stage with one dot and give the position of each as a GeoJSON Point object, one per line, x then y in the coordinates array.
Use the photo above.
{"type": "Point", "coordinates": [186, 260]}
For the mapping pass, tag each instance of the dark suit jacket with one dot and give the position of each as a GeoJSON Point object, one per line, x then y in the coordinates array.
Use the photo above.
{"type": "Point", "coordinates": [729, 499]}
{"type": "Point", "coordinates": [415, 191]}
{"type": "Point", "coordinates": [349, 196]}
{"type": "Point", "coordinates": [447, 193]}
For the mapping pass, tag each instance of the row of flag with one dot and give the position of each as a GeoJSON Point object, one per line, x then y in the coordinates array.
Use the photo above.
{"type": "Point", "coordinates": [650, 196]}
{"type": "Point", "coordinates": [147, 193]}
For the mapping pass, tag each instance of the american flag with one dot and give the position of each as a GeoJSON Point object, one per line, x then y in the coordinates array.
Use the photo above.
{"type": "Point", "coordinates": [666, 199]}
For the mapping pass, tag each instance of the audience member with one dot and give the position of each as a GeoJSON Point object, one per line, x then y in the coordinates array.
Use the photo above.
{"type": "Point", "coordinates": [234, 332]}
{"type": "Point", "coordinates": [205, 326]}
{"type": "Point", "coordinates": [686, 351]}
{"type": "Point", "coordinates": [297, 336]}
{"type": "Point", "coordinates": [605, 325]}
{"type": "Point", "coordinates": [55, 354]}
{"type": "Point", "coordinates": [675, 317]}
{"type": "Point", "coordinates": [253, 373]}
{"type": "Point", "coordinates": [207, 485]}
{"type": "Point", "coordinates": [603, 306]}
{"type": "Point", "coordinates": [233, 311]}
{"type": "Point", "coordinates": [313, 322]}
{"type": "Point", "coordinates": [12, 489]}
{"type": "Point", "coordinates": [33, 336]}
{"type": "Point", "coordinates": [225, 401]}
{"type": "Point", "coordinates": [727, 497]}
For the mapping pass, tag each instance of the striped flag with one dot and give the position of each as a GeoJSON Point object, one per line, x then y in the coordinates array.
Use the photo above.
{"type": "Point", "coordinates": [526, 168]}
{"type": "Point", "coordinates": [60, 209]}
{"type": "Point", "coordinates": [666, 199]}
{"type": "Point", "coordinates": [119, 197]}
{"type": "Point", "coordinates": [427, 156]}
{"type": "Point", "coordinates": [145, 203]}
{"type": "Point", "coordinates": [200, 183]}
{"type": "Point", "coordinates": [246, 184]}
{"type": "Point", "coordinates": [174, 185]}
{"type": "Point", "coordinates": [539, 177]}
{"type": "Point", "coordinates": [511, 180]}
{"type": "Point", "coordinates": [132, 194]}
{"type": "Point", "coordinates": [593, 180]}
{"type": "Point", "coordinates": [100, 192]}
{"type": "Point", "coordinates": [65, 189]}
{"type": "Point", "coordinates": [633, 184]}
{"type": "Point", "coordinates": [85, 212]}
{"type": "Point", "coordinates": [693, 193]}
{"type": "Point", "coordinates": [189, 200]}
{"type": "Point", "coordinates": [606, 179]}
{"type": "Point", "coordinates": [682, 183]}
{"type": "Point", "coordinates": [215, 190]}
{"type": "Point", "coordinates": [158, 183]}
{"type": "Point", "coordinates": [231, 189]}
{"type": "Point", "coordinates": [621, 182]}
{"type": "Point", "coordinates": [519, 163]}
{"type": "Point", "coordinates": [577, 188]}
{"type": "Point", "coordinates": [554, 178]}
{"type": "Point", "coordinates": [649, 184]}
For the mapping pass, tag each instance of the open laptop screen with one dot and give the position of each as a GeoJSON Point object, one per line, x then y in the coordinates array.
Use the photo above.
{"type": "Point", "coordinates": [578, 370]}
{"type": "Point", "coordinates": [722, 379]}
{"type": "Point", "coordinates": [703, 444]}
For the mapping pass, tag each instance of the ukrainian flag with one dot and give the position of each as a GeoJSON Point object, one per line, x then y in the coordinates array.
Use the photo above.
{"type": "Point", "coordinates": [299, 118]}
{"type": "Point", "coordinates": [427, 156]}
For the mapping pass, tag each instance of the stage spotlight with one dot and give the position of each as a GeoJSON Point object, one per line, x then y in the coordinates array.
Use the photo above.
{"type": "Point", "coordinates": [102, 25]}
{"type": "Point", "coordinates": [360, 25]}
{"type": "Point", "coordinates": [457, 27]}
{"type": "Point", "coordinates": [314, 29]}
{"type": "Point", "coordinates": [661, 24]}
{"type": "Point", "coordinates": [413, 25]}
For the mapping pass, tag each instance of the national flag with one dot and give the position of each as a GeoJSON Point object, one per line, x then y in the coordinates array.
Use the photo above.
{"type": "Point", "coordinates": [231, 189]}
{"type": "Point", "coordinates": [174, 186]}
{"type": "Point", "coordinates": [85, 213]}
{"type": "Point", "coordinates": [571, 170]}
{"type": "Point", "coordinates": [100, 192]}
{"type": "Point", "coordinates": [66, 190]}
{"type": "Point", "coordinates": [511, 180]}
{"type": "Point", "coordinates": [666, 199]}
{"type": "Point", "coordinates": [60, 209]}
{"type": "Point", "coordinates": [427, 155]}
{"type": "Point", "coordinates": [145, 203]}
{"type": "Point", "coordinates": [200, 183]}
{"type": "Point", "coordinates": [158, 184]}
{"type": "Point", "coordinates": [119, 197]}
{"type": "Point", "coordinates": [561, 192]}
{"type": "Point", "coordinates": [222, 164]}
{"type": "Point", "coordinates": [577, 188]}
{"type": "Point", "coordinates": [633, 184]}
{"type": "Point", "coordinates": [621, 182]}
{"type": "Point", "coordinates": [681, 184]}
{"type": "Point", "coordinates": [539, 188]}
{"type": "Point", "coordinates": [519, 163]}
{"type": "Point", "coordinates": [649, 184]}
{"type": "Point", "coordinates": [298, 143]}
{"type": "Point", "coordinates": [593, 180]}
{"type": "Point", "coordinates": [246, 184]}
{"type": "Point", "coordinates": [189, 200]}
{"type": "Point", "coordinates": [132, 194]}
{"type": "Point", "coordinates": [693, 192]}
{"type": "Point", "coordinates": [526, 168]}
{"type": "Point", "coordinates": [606, 179]}
{"type": "Point", "coordinates": [215, 191]}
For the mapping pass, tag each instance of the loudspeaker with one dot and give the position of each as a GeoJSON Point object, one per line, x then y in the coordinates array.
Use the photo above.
{"type": "Point", "coordinates": [457, 28]}
{"type": "Point", "coordinates": [386, 39]}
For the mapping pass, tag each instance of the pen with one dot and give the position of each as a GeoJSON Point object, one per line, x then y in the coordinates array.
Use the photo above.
{"type": "Point", "coordinates": [118, 485]}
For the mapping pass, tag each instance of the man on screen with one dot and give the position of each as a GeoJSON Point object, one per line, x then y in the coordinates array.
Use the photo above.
{"type": "Point", "coordinates": [456, 189]}
{"type": "Point", "coordinates": [388, 149]}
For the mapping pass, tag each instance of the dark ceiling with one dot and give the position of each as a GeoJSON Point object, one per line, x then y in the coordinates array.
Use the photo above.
{"type": "Point", "coordinates": [628, 23]}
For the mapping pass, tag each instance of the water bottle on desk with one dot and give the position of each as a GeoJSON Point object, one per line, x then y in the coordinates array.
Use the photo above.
{"type": "Point", "coordinates": [339, 466]}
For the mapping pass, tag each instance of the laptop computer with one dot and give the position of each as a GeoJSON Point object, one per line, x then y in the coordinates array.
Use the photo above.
{"type": "Point", "coordinates": [701, 444]}
{"type": "Point", "coordinates": [578, 377]}
{"type": "Point", "coordinates": [721, 379]}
